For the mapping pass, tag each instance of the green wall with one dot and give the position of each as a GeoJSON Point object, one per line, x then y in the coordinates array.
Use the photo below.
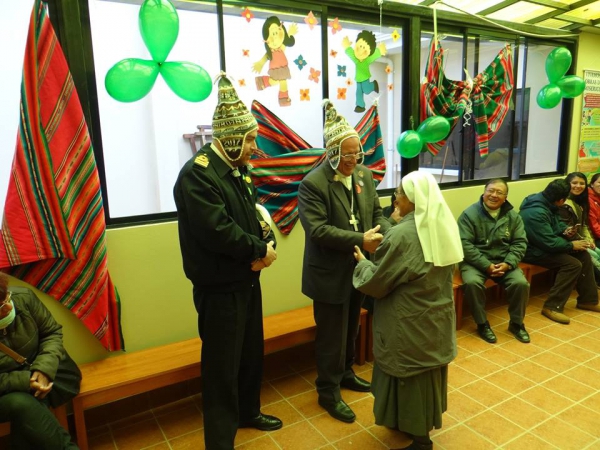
{"type": "Point", "coordinates": [145, 264]}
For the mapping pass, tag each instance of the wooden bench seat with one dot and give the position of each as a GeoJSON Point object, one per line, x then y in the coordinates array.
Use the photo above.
{"type": "Point", "coordinates": [529, 270]}
{"type": "Point", "coordinates": [128, 374]}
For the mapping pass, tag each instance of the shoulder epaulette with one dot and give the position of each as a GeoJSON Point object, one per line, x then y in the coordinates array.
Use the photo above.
{"type": "Point", "coordinates": [202, 160]}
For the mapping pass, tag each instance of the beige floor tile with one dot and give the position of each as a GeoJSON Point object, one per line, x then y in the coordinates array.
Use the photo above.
{"type": "Point", "coordinates": [291, 385]}
{"type": "Point", "coordinates": [310, 375]}
{"type": "Point", "coordinates": [569, 388]}
{"type": "Point", "coordinates": [563, 435]}
{"type": "Point", "coordinates": [534, 322]}
{"type": "Point", "coordinates": [139, 435]}
{"type": "Point", "coordinates": [244, 435]}
{"type": "Point", "coordinates": [594, 363]}
{"type": "Point", "coordinates": [350, 396]}
{"type": "Point", "coordinates": [478, 366]}
{"type": "Point", "coordinates": [524, 350]}
{"type": "Point", "coordinates": [533, 371]}
{"type": "Point", "coordinates": [528, 441]}
{"type": "Point", "coordinates": [268, 394]}
{"type": "Point", "coordinates": [333, 429]}
{"type": "Point", "coordinates": [192, 441]}
{"type": "Point", "coordinates": [499, 433]}
{"type": "Point", "coordinates": [101, 442]}
{"type": "Point", "coordinates": [521, 413]}
{"type": "Point", "coordinates": [585, 375]}
{"type": "Point", "coordinates": [501, 356]}
{"type": "Point", "coordinates": [461, 438]}
{"type": "Point", "coordinates": [461, 407]}
{"type": "Point", "coordinates": [554, 361]}
{"type": "Point", "coordinates": [306, 404]}
{"type": "Point", "coordinates": [361, 440]}
{"type": "Point", "coordinates": [594, 446]}
{"type": "Point", "coordinates": [473, 344]}
{"type": "Point", "coordinates": [300, 436]}
{"type": "Point", "coordinates": [582, 418]}
{"type": "Point", "coordinates": [262, 443]}
{"type": "Point", "coordinates": [161, 446]}
{"type": "Point", "coordinates": [180, 421]}
{"type": "Point", "coordinates": [592, 319]}
{"type": "Point", "coordinates": [485, 393]}
{"type": "Point", "coordinates": [365, 372]}
{"type": "Point", "coordinates": [390, 438]}
{"type": "Point", "coordinates": [510, 381]}
{"type": "Point", "coordinates": [541, 339]}
{"type": "Point", "coordinates": [574, 353]}
{"type": "Point", "coordinates": [561, 331]}
{"type": "Point", "coordinates": [458, 377]}
{"type": "Point", "coordinates": [364, 411]}
{"type": "Point", "coordinates": [592, 403]}
{"type": "Point", "coordinates": [545, 399]}
{"type": "Point", "coordinates": [587, 343]}
{"type": "Point", "coordinates": [284, 411]}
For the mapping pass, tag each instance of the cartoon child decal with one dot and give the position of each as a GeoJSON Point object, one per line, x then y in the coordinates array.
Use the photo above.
{"type": "Point", "coordinates": [365, 52]}
{"type": "Point", "coordinates": [276, 38]}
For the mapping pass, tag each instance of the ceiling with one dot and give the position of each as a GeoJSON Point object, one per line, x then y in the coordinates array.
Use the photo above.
{"type": "Point", "coordinates": [566, 15]}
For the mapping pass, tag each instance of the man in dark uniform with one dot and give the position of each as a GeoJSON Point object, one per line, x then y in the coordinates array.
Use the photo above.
{"type": "Point", "coordinates": [224, 245]}
{"type": "Point", "coordinates": [339, 208]}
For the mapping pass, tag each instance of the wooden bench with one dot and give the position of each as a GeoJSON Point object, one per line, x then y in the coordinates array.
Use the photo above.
{"type": "Point", "coordinates": [129, 374]}
{"type": "Point", "coordinates": [529, 270]}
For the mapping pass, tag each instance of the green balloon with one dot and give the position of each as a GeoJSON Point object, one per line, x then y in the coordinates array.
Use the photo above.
{"type": "Point", "coordinates": [549, 96]}
{"type": "Point", "coordinates": [159, 27]}
{"type": "Point", "coordinates": [434, 129]}
{"type": "Point", "coordinates": [557, 63]}
{"type": "Point", "coordinates": [409, 144]}
{"type": "Point", "coordinates": [571, 86]}
{"type": "Point", "coordinates": [189, 81]}
{"type": "Point", "coordinates": [131, 79]}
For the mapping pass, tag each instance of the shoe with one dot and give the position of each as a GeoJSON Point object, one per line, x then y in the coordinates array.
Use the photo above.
{"type": "Point", "coordinates": [485, 332]}
{"type": "Point", "coordinates": [262, 422]}
{"type": "Point", "coordinates": [359, 109]}
{"type": "Point", "coordinates": [376, 86]}
{"type": "Point", "coordinates": [356, 384]}
{"type": "Point", "coordinates": [520, 332]}
{"type": "Point", "coordinates": [417, 446]}
{"type": "Point", "coordinates": [339, 410]}
{"type": "Point", "coordinates": [589, 306]}
{"type": "Point", "coordinates": [556, 316]}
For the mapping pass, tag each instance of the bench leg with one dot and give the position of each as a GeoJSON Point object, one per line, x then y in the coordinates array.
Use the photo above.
{"type": "Point", "coordinates": [61, 416]}
{"type": "Point", "coordinates": [80, 428]}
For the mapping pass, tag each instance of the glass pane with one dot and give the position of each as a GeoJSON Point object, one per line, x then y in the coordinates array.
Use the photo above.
{"type": "Point", "coordinates": [143, 141]}
{"type": "Point", "coordinates": [381, 83]}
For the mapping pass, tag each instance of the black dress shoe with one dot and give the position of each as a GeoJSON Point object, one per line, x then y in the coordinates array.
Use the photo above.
{"type": "Point", "coordinates": [485, 332]}
{"type": "Point", "coordinates": [520, 332]}
{"type": "Point", "coordinates": [339, 410]}
{"type": "Point", "coordinates": [356, 384]}
{"type": "Point", "coordinates": [262, 422]}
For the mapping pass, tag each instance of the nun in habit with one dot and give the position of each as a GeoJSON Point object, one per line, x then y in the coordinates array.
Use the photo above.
{"type": "Point", "coordinates": [410, 279]}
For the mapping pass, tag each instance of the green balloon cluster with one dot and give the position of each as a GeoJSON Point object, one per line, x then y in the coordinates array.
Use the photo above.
{"type": "Point", "coordinates": [433, 129]}
{"type": "Point", "coordinates": [132, 79]}
{"type": "Point", "coordinates": [561, 86]}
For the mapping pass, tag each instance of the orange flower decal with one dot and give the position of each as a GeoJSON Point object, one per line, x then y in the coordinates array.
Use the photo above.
{"type": "Point", "coordinates": [341, 94]}
{"type": "Point", "coordinates": [390, 87]}
{"type": "Point", "coordinates": [246, 53]}
{"type": "Point", "coordinates": [333, 53]}
{"type": "Point", "coordinates": [335, 26]}
{"type": "Point", "coordinates": [314, 75]}
{"type": "Point", "coordinates": [311, 20]}
{"type": "Point", "coordinates": [242, 82]}
{"type": "Point", "coordinates": [247, 14]}
{"type": "Point", "coordinates": [304, 95]}
{"type": "Point", "coordinates": [388, 69]}
{"type": "Point", "coordinates": [349, 81]}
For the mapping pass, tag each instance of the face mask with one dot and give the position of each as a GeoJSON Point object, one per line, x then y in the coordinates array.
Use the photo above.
{"type": "Point", "coordinates": [6, 321]}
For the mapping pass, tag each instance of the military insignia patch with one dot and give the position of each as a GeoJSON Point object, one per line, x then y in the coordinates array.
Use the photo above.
{"type": "Point", "coordinates": [248, 179]}
{"type": "Point", "coordinates": [202, 160]}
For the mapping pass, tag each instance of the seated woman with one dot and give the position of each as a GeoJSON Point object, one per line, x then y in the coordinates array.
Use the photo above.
{"type": "Point", "coordinates": [594, 208]}
{"type": "Point", "coordinates": [413, 321]}
{"type": "Point", "coordinates": [28, 328]}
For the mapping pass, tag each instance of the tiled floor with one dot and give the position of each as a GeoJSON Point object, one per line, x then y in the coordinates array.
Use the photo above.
{"type": "Point", "coordinates": [544, 395]}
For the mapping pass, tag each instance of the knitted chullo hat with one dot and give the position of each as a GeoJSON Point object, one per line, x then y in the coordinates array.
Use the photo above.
{"type": "Point", "coordinates": [231, 121]}
{"type": "Point", "coordinates": [336, 131]}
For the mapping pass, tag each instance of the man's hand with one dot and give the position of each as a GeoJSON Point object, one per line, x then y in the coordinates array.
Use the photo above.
{"type": "Point", "coordinates": [497, 270]}
{"type": "Point", "coordinates": [40, 384]}
{"type": "Point", "coordinates": [580, 245]}
{"type": "Point", "coordinates": [371, 239]}
{"type": "Point", "coordinates": [358, 255]}
{"type": "Point", "coordinates": [257, 265]}
{"type": "Point", "coordinates": [271, 255]}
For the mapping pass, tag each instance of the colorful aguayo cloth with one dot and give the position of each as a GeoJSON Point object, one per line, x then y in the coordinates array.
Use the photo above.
{"type": "Point", "coordinates": [285, 158]}
{"type": "Point", "coordinates": [52, 232]}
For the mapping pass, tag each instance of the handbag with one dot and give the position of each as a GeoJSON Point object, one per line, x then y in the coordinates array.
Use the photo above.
{"type": "Point", "coordinates": [66, 383]}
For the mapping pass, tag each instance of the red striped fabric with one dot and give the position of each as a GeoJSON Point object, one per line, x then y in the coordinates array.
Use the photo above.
{"type": "Point", "coordinates": [53, 228]}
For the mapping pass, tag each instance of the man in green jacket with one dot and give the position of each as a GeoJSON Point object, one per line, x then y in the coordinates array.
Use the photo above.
{"type": "Point", "coordinates": [494, 242]}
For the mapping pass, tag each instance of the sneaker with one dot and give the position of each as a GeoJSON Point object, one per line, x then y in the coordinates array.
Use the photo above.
{"type": "Point", "coordinates": [595, 307]}
{"type": "Point", "coordinates": [485, 332]}
{"type": "Point", "coordinates": [519, 332]}
{"type": "Point", "coordinates": [556, 316]}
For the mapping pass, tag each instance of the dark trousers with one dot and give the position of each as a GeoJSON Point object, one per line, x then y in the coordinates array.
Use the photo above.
{"type": "Point", "coordinates": [337, 328]}
{"type": "Point", "coordinates": [32, 424]}
{"type": "Point", "coordinates": [514, 282]}
{"type": "Point", "coordinates": [231, 329]}
{"type": "Point", "coordinates": [574, 270]}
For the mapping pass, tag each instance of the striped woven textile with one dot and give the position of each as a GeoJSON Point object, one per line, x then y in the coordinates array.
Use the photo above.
{"type": "Point", "coordinates": [285, 158]}
{"type": "Point", "coordinates": [53, 228]}
{"type": "Point", "coordinates": [490, 95]}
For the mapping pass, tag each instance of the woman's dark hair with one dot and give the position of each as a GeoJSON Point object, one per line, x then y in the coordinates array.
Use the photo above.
{"type": "Point", "coordinates": [3, 286]}
{"type": "Point", "coordinates": [581, 199]}
{"type": "Point", "coordinates": [594, 178]}
{"type": "Point", "coordinates": [288, 40]}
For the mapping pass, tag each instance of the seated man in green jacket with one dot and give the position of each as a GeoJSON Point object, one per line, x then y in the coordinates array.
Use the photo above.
{"type": "Point", "coordinates": [494, 242]}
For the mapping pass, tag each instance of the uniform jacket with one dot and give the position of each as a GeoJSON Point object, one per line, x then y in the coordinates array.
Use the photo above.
{"type": "Point", "coordinates": [543, 227]}
{"type": "Point", "coordinates": [486, 240]}
{"type": "Point", "coordinates": [414, 320]}
{"type": "Point", "coordinates": [219, 232]}
{"type": "Point", "coordinates": [33, 334]}
{"type": "Point", "coordinates": [324, 211]}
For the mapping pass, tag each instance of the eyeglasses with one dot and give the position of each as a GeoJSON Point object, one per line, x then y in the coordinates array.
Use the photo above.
{"type": "Point", "coordinates": [351, 156]}
{"type": "Point", "coordinates": [498, 192]}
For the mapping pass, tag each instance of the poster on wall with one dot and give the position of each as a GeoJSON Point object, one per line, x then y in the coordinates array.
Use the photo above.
{"type": "Point", "coordinates": [589, 139]}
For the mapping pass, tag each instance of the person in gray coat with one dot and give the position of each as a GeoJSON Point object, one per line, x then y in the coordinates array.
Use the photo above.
{"type": "Point", "coordinates": [494, 242]}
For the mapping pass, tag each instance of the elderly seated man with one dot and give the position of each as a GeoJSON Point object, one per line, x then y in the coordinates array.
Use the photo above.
{"type": "Point", "coordinates": [494, 242]}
